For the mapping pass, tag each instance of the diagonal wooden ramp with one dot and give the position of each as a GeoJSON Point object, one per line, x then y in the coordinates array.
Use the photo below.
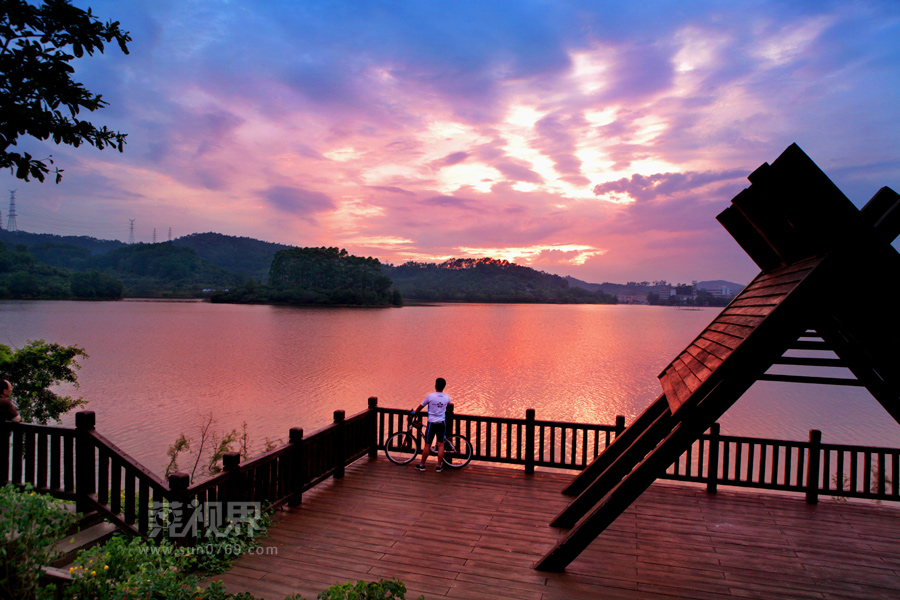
{"type": "Point", "coordinates": [816, 251]}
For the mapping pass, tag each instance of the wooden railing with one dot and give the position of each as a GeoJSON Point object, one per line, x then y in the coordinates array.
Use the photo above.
{"type": "Point", "coordinates": [82, 465]}
{"type": "Point", "coordinates": [842, 471]}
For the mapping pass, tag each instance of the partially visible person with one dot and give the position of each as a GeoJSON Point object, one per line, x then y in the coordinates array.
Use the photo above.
{"type": "Point", "coordinates": [8, 410]}
{"type": "Point", "coordinates": [437, 402]}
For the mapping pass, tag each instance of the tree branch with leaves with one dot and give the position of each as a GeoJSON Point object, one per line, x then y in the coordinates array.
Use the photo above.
{"type": "Point", "coordinates": [37, 94]}
{"type": "Point", "coordinates": [33, 370]}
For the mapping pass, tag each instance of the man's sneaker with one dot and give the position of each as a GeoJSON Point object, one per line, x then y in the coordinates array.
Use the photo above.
{"type": "Point", "coordinates": [438, 468]}
{"type": "Point", "coordinates": [420, 467]}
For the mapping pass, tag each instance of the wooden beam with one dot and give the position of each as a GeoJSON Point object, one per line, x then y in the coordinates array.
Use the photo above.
{"type": "Point", "coordinates": [644, 474]}
{"type": "Point", "coordinates": [882, 213]}
{"type": "Point", "coordinates": [752, 242]}
{"type": "Point", "coordinates": [590, 473]}
{"type": "Point", "coordinates": [810, 362]}
{"type": "Point", "coordinates": [616, 471]}
{"type": "Point", "coordinates": [885, 391]}
{"type": "Point", "coordinates": [810, 379]}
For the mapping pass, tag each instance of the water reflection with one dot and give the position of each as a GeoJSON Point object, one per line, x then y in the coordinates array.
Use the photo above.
{"type": "Point", "coordinates": [155, 368]}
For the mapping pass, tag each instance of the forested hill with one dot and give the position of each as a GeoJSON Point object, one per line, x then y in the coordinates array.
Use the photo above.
{"type": "Point", "coordinates": [240, 255]}
{"type": "Point", "coordinates": [486, 280]}
{"type": "Point", "coordinates": [243, 255]}
{"type": "Point", "coordinates": [29, 240]}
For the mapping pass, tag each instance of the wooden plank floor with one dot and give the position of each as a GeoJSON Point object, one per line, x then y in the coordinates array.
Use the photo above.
{"type": "Point", "coordinates": [476, 533]}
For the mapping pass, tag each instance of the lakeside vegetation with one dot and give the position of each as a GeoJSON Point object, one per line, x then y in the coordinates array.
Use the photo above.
{"type": "Point", "coordinates": [244, 270]}
{"type": "Point", "coordinates": [40, 266]}
{"type": "Point", "coordinates": [487, 280]}
{"type": "Point", "coordinates": [318, 276]}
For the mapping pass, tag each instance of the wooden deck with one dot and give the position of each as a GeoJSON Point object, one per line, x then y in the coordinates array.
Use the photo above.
{"type": "Point", "coordinates": [476, 533]}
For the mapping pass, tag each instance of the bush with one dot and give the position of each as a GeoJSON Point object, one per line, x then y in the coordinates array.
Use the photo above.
{"type": "Point", "coordinates": [30, 527]}
{"type": "Point", "coordinates": [385, 589]}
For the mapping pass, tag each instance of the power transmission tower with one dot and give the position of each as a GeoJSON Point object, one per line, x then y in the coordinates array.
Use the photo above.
{"type": "Point", "coordinates": [131, 232]}
{"type": "Point", "coordinates": [11, 216]}
{"type": "Point", "coordinates": [170, 234]}
{"type": "Point", "coordinates": [154, 235]}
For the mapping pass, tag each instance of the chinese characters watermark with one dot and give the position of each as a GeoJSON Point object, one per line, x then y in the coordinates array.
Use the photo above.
{"type": "Point", "coordinates": [212, 519]}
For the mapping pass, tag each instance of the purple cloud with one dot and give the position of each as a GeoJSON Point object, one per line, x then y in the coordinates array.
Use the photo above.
{"type": "Point", "coordinates": [297, 201]}
{"type": "Point", "coordinates": [517, 172]}
{"type": "Point", "coordinates": [451, 159]}
{"type": "Point", "coordinates": [650, 187]}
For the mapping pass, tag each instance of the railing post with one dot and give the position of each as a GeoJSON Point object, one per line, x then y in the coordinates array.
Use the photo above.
{"type": "Point", "coordinates": [529, 441]}
{"type": "Point", "coordinates": [712, 460]}
{"type": "Point", "coordinates": [182, 524]}
{"type": "Point", "coordinates": [5, 435]}
{"type": "Point", "coordinates": [234, 488]}
{"type": "Point", "coordinates": [85, 477]}
{"type": "Point", "coordinates": [373, 445]}
{"type": "Point", "coordinates": [298, 467]}
{"type": "Point", "coordinates": [340, 444]}
{"type": "Point", "coordinates": [448, 419]}
{"type": "Point", "coordinates": [812, 466]}
{"type": "Point", "coordinates": [620, 425]}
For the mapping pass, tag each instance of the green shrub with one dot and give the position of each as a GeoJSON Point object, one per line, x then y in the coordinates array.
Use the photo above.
{"type": "Point", "coordinates": [219, 549]}
{"type": "Point", "coordinates": [384, 589]}
{"type": "Point", "coordinates": [30, 527]}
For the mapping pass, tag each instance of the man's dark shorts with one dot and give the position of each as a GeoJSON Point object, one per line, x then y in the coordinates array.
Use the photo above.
{"type": "Point", "coordinates": [435, 430]}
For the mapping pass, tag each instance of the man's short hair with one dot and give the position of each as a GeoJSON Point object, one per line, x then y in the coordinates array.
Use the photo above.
{"type": "Point", "coordinates": [440, 384]}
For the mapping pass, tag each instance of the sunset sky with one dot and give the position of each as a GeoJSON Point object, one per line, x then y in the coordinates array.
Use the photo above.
{"type": "Point", "coordinates": [592, 139]}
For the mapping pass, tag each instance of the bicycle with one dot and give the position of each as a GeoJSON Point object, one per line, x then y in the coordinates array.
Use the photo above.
{"type": "Point", "coordinates": [403, 447]}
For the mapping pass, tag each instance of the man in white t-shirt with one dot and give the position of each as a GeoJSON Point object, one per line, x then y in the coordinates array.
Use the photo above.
{"type": "Point", "coordinates": [436, 402]}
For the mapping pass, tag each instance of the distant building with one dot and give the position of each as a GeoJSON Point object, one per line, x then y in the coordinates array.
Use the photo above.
{"type": "Point", "coordinates": [722, 291]}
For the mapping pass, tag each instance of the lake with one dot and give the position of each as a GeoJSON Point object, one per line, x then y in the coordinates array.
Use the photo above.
{"type": "Point", "coordinates": [155, 368]}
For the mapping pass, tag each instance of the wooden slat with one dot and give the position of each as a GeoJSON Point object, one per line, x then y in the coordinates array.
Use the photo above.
{"type": "Point", "coordinates": [775, 292]}
{"type": "Point", "coordinates": [676, 390]}
{"type": "Point", "coordinates": [708, 359]}
{"type": "Point", "coordinates": [742, 320]}
{"type": "Point", "coordinates": [691, 380]}
{"type": "Point", "coordinates": [768, 302]}
{"type": "Point", "coordinates": [749, 310]}
{"type": "Point", "coordinates": [738, 331]}
{"type": "Point", "coordinates": [712, 346]}
{"type": "Point", "coordinates": [697, 368]}
{"type": "Point", "coordinates": [774, 280]}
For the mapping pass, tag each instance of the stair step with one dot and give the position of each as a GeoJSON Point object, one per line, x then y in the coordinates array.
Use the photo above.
{"type": "Point", "coordinates": [84, 521]}
{"type": "Point", "coordinates": [72, 544]}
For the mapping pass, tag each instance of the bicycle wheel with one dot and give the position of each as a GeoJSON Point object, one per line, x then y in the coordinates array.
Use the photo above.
{"type": "Point", "coordinates": [457, 451]}
{"type": "Point", "coordinates": [401, 448]}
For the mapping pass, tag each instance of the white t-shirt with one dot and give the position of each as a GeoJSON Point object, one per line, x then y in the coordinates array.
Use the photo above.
{"type": "Point", "coordinates": [437, 406]}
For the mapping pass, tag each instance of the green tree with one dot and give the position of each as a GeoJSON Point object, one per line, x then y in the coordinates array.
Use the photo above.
{"type": "Point", "coordinates": [33, 370]}
{"type": "Point", "coordinates": [36, 45]}
{"type": "Point", "coordinates": [95, 285]}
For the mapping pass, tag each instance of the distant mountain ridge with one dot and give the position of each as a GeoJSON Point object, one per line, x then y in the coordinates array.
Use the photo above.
{"type": "Point", "coordinates": [240, 255]}
{"type": "Point", "coordinates": [249, 257]}
{"type": "Point", "coordinates": [243, 255]}
{"type": "Point", "coordinates": [630, 289]}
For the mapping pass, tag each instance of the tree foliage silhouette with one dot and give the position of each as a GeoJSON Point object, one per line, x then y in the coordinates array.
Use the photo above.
{"type": "Point", "coordinates": [38, 96]}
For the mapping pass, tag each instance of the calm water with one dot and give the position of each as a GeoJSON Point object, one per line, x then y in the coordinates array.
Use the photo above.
{"type": "Point", "coordinates": [155, 368]}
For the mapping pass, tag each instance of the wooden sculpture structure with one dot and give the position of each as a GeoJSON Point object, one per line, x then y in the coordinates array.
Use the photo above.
{"type": "Point", "coordinates": [822, 260]}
